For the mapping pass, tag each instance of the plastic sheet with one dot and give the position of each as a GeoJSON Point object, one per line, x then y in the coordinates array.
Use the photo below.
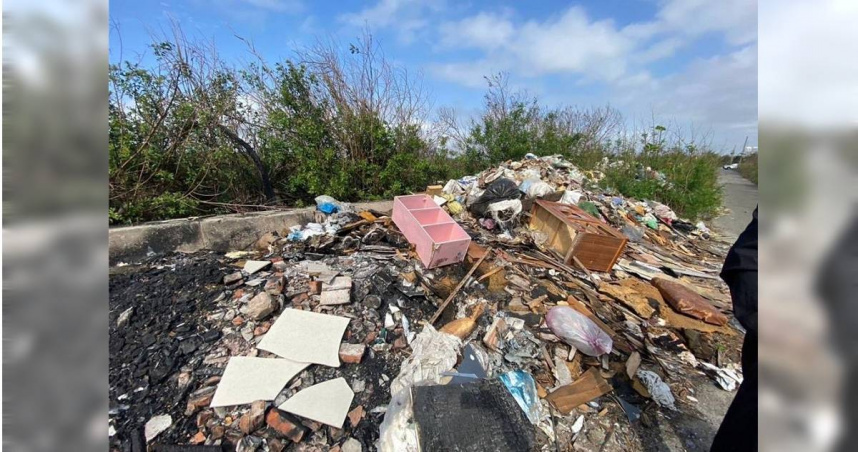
{"type": "Point", "coordinates": [577, 330]}
{"type": "Point", "coordinates": [523, 388]}
{"type": "Point", "coordinates": [505, 212]}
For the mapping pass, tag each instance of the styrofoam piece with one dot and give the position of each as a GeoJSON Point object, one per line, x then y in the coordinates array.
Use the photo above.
{"type": "Point", "coordinates": [306, 337]}
{"type": "Point", "coordinates": [327, 402]}
{"type": "Point", "coordinates": [439, 240]}
{"type": "Point", "coordinates": [247, 379]}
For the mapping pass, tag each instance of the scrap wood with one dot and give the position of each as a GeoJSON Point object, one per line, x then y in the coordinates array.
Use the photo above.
{"type": "Point", "coordinates": [632, 364]}
{"type": "Point", "coordinates": [629, 297]}
{"type": "Point", "coordinates": [582, 267]}
{"type": "Point", "coordinates": [590, 386]}
{"type": "Point", "coordinates": [459, 287]}
{"type": "Point", "coordinates": [489, 274]}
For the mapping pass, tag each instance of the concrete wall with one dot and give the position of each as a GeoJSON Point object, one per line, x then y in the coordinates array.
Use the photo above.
{"type": "Point", "coordinates": [219, 233]}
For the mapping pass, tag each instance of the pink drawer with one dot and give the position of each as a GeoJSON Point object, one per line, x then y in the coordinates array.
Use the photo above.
{"type": "Point", "coordinates": [439, 240]}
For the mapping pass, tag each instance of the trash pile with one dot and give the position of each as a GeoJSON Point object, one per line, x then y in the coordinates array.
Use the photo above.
{"type": "Point", "coordinates": [564, 318]}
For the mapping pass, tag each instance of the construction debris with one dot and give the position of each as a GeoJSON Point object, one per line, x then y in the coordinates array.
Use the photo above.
{"type": "Point", "coordinates": [247, 379]}
{"type": "Point", "coordinates": [539, 283]}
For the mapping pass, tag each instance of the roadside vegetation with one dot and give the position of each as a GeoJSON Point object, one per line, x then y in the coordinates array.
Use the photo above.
{"type": "Point", "coordinates": [193, 135]}
{"type": "Point", "coordinates": [748, 168]}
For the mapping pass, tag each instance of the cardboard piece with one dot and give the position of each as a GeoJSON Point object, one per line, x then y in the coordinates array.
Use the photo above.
{"type": "Point", "coordinates": [306, 337]}
{"type": "Point", "coordinates": [248, 379]}
{"type": "Point", "coordinates": [326, 402]}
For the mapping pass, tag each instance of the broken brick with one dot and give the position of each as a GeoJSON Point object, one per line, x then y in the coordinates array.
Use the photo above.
{"type": "Point", "coordinates": [253, 419]}
{"type": "Point", "coordinates": [286, 425]}
{"type": "Point", "coordinates": [352, 353]}
{"type": "Point", "coordinates": [261, 306]}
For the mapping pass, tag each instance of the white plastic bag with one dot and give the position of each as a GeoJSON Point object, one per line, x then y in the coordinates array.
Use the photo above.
{"type": "Point", "coordinates": [578, 331]}
{"type": "Point", "coordinates": [538, 188]}
{"type": "Point", "coordinates": [432, 354]}
{"type": "Point", "coordinates": [571, 197]}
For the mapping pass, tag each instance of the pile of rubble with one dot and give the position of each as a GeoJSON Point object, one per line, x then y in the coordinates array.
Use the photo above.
{"type": "Point", "coordinates": [339, 336]}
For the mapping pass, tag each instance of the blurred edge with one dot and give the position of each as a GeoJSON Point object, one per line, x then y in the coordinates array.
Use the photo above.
{"type": "Point", "coordinates": [808, 107]}
{"type": "Point", "coordinates": [54, 225]}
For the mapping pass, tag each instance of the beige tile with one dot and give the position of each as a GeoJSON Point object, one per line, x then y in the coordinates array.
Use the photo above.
{"type": "Point", "coordinates": [306, 337]}
{"type": "Point", "coordinates": [248, 379]}
{"type": "Point", "coordinates": [326, 402]}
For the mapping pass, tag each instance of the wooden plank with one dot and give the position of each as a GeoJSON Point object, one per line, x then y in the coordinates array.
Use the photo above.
{"type": "Point", "coordinates": [590, 386]}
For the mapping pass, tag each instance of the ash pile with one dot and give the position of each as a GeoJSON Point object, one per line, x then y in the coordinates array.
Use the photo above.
{"type": "Point", "coordinates": [518, 309]}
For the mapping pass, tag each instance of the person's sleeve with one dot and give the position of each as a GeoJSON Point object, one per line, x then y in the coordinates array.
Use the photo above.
{"type": "Point", "coordinates": [740, 273]}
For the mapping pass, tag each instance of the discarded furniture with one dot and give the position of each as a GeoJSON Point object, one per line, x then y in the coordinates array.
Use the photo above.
{"type": "Point", "coordinates": [573, 233]}
{"type": "Point", "coordinates": [438, 238]}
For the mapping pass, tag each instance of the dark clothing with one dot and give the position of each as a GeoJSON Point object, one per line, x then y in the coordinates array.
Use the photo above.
{"type": "Point", "coordinates": [837, 285]}
{"type": "Point", "coordinates": [738, 431]}
{"type": "Point", "coordinates": [740, 274]}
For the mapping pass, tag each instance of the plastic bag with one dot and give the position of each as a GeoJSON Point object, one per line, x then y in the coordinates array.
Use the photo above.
{"type": "Point", "coordinates": [328, 204]}
{"type": "Point", "coordinates": [500, 190]}
{"type": "Point", "coordinates": [658, 389]}
{"type": "Point", "coordinates": [398, 432]}
{"type": "Point", "coordinates": [432, 354]}
{"type": "Point", "coordinates": [505, 212]}
{"type": "Point", "coordinates": [536, 188]}
{"type": "Point", "coordinates": [571, 197]}
{"type": "Point", "coordinates": [578, 331]}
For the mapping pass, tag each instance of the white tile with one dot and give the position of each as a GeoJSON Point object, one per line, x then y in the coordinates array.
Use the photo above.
{"type": "Point", "coordinates": [326, 402]}
{"type": "Point", "coordinates": [247, 379]}
{"type": "Point", "coordinates": [306, 337]}
{"type": "Point", "coordinates": [252, 267]}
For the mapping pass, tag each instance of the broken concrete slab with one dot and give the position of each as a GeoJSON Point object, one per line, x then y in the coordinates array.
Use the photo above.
{"type": "Point", "coordinates": [326, 402]}
{"type": "Point", "coordinates": [156, 425]}
{"type": "Point", "coordinates": [248, 379]}
{"type": "Point", "coordinates": [335, 297]}
{"type": "Point", "coordinates": [261, 306]}
{"type": "Point", "coordinates": [306, 337]}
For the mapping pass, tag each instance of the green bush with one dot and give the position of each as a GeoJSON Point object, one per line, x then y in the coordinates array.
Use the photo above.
{"type": "Point", "coordinates": [194, 136]}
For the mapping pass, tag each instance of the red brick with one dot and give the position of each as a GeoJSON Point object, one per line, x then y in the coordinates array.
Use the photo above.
{"type": "Point", "coordinates": [352, 353]}
{"type": "Point", "coordinates": [285, 425]}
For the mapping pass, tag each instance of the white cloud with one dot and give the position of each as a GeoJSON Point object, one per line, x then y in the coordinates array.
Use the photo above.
{"type": "Point", "coordinates": [569, 43]}
{"type": "Point", "coordinates": [737, 19]}
{"type": "Point", "coordinates": [718, 93]}
{"type": "Point", "coordinates": [485, 30]}
{"type": "Point", "coordinates": [406, 17]}
{"type": "Point", "coordinates": [808, 69]}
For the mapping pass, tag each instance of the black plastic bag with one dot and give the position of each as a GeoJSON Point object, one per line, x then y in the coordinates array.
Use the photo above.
{"type": "Point", "coordinates": [500, 190]}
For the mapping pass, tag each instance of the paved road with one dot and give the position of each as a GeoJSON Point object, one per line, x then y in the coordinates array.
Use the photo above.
{"type": "Point", "coordinates": [740, 199]}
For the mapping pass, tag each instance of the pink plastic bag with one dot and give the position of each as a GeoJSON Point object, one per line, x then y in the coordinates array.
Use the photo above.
{"type": "Point", "coordinates": [577, 330]}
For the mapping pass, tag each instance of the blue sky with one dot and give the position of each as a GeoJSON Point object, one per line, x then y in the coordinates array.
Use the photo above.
{"type": "Point", "coordinates": [692, 64]}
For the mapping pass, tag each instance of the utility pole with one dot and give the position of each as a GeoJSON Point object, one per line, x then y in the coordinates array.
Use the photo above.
{"type": "Point", "coordinates": [742, 153]}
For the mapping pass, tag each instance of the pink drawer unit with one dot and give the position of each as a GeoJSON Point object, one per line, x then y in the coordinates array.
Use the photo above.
{"type": "Point", "coordinates": [438, 238]}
